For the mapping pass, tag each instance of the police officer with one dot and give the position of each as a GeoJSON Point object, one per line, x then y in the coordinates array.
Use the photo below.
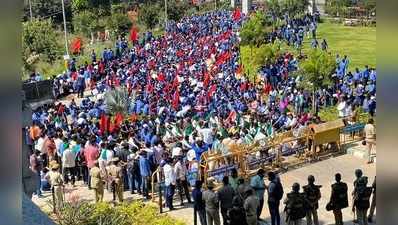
{"type": "Point", "coordinates": [296, 206]}
{"type": "Point", "coordinates": [338, 199]}
{"type": "Point", "coordinates": [97, 183]}
{"type": "Point", "coordinates": [242, 186]}
{"type": "Point", "coordinates": [237, 214]}
{"type": "Point", "coordinates": [251, 205]}
{"type": "Point", "coordinates": [225, 194]}
{"type": "Point", "coordinates": [211, 204]}
{"type": "Point", "coordinates": [358, 175]}
{"type": "Point", "coordinates": [312, 194]}
{"type": "Point", "coordinates": [57, 183]}
{"type": "Point", "coordinates": [361, 204]}
{"type": "Point", "coordinates": [116, 175]}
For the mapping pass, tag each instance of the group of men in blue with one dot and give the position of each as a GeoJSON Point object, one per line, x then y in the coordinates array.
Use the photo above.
{"type": "Point", "coordinates": [188, 91]}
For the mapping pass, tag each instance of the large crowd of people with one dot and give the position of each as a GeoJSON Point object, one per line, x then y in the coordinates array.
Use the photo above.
{"type": "Point", "coordinates": [190, 97]}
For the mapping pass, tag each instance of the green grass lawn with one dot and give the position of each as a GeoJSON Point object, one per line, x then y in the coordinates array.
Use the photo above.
{"type": "Point", "coordinates": [358, 43]}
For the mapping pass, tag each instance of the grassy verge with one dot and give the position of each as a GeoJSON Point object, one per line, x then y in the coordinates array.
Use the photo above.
{"type": "Point", "coordinates": [358, 43]}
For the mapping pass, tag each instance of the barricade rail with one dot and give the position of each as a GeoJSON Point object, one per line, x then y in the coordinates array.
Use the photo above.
{"type": "Point", "coordinates": [281, 152]}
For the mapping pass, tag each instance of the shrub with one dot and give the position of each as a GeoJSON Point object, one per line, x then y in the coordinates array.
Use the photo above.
{"type": "Point", "coordinates": [135, 213]}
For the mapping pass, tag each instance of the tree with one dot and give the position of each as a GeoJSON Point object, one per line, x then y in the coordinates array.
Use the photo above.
{"type": "Point", "coordinates": [46, 9]}
{"type": "Point", "coordinates": [294, 7]}
{"type": "Point", "coordinates": [176, 9]}
{"type": "Point", "coordinates": [39, 38]}
{"type": "Point", "coordinates": [149, 14]}
{"type": "Point", "coordinates": [85, 23]}
{"type": "Point", "coordinates": [99, 7]}
{"type": "Point", "coordinates": [118, 24]}
{"type": "Point", "coordinates": [118, 101]}
{"type": "Point", "coordinates": [317, 70]}
{"type": "Point", "coordinates": [253, 32]}
{"type": "Point", "coordinates": [266, 53]}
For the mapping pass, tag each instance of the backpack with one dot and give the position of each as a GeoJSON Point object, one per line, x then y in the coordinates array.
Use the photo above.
{"type": "Point", "coordinates": [296, 206]}
{"type": "Point", "coordinates": [363, 197]}
{"type": "Point", "coordinates": [278, 193]}
{"type": "Point", "coordinates": [312, 193]}
{"type": "Point", "coordinates": [341, 195]}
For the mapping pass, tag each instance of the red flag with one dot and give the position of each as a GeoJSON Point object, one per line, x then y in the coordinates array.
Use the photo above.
{"type": "Point", "coordinates": [236, 14]}
{"type": "Point", "coordinates": [103, 124]}
{"type": "Point", "coordinates": [239, 70]}
{"type": "Point", "coordinates": [111, 127]}
{"type": "Point", "coordinates": [206, 79]}
{"type": "Point", "coordinates": [76, 45]}
{"type": "Point", "coordinates": [212, 90]}
{"type": "Point", "coordinates": [175, 82]}
{"type": "Point", "coordinates": [118, 119]}
{"type": "Point", "coordinates": [133, 117]}
{"type": "Point", "coordinates": [176, 100]}
{"type": "Point", "coordinates": [243, 86]}
{"type": "Point", "coordinates": [134, 34]}
{"type": "Point", "coordinates": [232, 116]}
{"type": "Point", "coordinates": [161, 77]}
{"type": "Point", "coordinates": [149, 87]}
{"type": "Point", "coordinates": [223, 57]}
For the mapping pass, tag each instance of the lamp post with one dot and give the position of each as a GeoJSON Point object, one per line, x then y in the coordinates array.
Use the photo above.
{"type": "Point", "coordinates": [30, 10]}
{"type": "Point", "coordinates": [66, 37]}
{"type": "Point", "coordinates": [165, 15]}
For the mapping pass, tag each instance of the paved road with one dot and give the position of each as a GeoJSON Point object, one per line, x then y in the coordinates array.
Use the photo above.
{"type": "Point", "coordinates": [324, 174]}
{"type": "Point", "coordinates": [323, 171]}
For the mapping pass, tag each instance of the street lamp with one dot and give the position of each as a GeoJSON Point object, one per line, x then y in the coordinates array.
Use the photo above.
{"type": "Point", "coordinates": [66, 37]}
{"type": "Point", "coordinates": [165, 15]}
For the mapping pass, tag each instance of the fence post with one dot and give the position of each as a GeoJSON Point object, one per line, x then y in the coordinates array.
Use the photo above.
{"type": "Point", "coordinates": [160, 197]}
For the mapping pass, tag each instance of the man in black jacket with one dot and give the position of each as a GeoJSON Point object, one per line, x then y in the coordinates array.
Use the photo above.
{"type": "Point", "coordinates": [338, 199]}
{"type": "Point", "coordinates": [275, 193]}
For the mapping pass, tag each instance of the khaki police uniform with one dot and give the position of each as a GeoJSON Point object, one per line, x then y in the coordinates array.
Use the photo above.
{"type": "Point", "coordinates": [312, 194]}
{"type": "Point", "coordinates": [97, 183]}
{"type": "Point", "coordinates": [57, 183]}
{"type": "Point", "coordinates": [295, 207]}
{"type": "Point", "coordinates": [251, 204]}
{"type": "Point", "coordinates": [362, 203]}
{"type": "Point", "coordinates": [116, 175]}
{"type": "Point", "coordinates": [211, 202]}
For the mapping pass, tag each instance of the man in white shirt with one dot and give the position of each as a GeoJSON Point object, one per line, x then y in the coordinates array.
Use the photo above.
{"type": "Point", "coordinates": [170, 182]}
{"type": "Point", "coordinates": [181, 179]}
{"type": "Point", "coordinates": [341, 107]}
{"type": "Point", "coordinates": [370, 138]}
{"type": "Point", "coordinates": [176, 151]}
{"type": "Point", "coordinates": [68, 165]}
{"type": "Point", "coordinates": [58, 142]}
{"type": "Point", "coordinates": [39, 144]}
{"type": "Point", "coordinates": [207, 134]}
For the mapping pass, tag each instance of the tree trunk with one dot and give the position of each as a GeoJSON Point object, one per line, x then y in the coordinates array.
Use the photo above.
{"type": "Point", "coordinates": [314, 107]}
{"type": "Point", "coordinates": [92, 38]}
{"type": "Point", "coordinates": [251, 61]}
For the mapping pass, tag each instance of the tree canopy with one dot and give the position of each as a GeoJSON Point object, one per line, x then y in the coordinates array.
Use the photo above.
{"type": "Point", "coordinates": [39, 38]}
{"type": "Point", "coordinates": [254, 30]}
{"type": "Point", "coordinates": [317, 69]}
